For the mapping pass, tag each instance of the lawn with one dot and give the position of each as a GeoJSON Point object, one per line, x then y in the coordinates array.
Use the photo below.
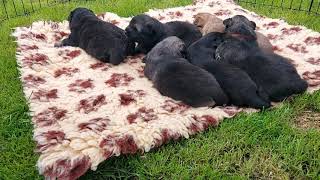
{"type": "Point", "coordinates": [270, 144]}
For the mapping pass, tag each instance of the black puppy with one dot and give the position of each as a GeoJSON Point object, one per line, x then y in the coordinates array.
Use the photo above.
{"type": "Point", "coordinates": [175, 77]}
{"type": "Point", "coordinates": [148, 31]}
{"type": "Point", "coordinates": [204, 50]}
{"type": "Point", "coordinates": [272, 72]}
{"type": "Point", "coordinates": [236, 83]}
{"type": "Point", "coordinates": [242, 29]}
{"type": "Point", "coordinates": [100, 39]}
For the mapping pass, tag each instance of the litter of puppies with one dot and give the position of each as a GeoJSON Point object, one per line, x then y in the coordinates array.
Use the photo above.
{"type": "Point", "coordinates": [212, 62]}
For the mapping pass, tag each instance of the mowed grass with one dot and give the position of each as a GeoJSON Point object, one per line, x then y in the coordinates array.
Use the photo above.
{"type": "Point", "coordinates": [262, 145]}
{"type": "Point", "coordinates": [296, 17]}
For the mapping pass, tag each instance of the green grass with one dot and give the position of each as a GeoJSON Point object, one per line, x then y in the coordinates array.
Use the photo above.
{"type": "Point", "coordinates": [292, 17]}
{"type": "Point", "coordinates": [263, 145]}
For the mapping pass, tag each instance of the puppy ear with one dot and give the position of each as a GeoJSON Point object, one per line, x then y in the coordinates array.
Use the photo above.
{"type": "Point", "coordinates": [253, 24]}
{"type": "Point", "coordinates": [227, 22]}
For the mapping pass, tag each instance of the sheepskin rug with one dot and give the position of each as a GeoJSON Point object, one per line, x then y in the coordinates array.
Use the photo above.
{"type": "Point", "coordinates": [85, 111]}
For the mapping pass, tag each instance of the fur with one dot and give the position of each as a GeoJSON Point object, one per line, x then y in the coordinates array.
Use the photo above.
{"type": "Point", "coordinates": [175, 77]}
{"type": "Point", "coordinates": [148, 31]}
{"type": "Point", "coordinates": [203, 51]}
{"type": "Point", "coordinates": [102, 40]}
{"type": "Point", "coordinates": [207, 23]}
{"type": "Point", "coordinates": [235, 82]}
{"type": "Point", "coordinates": [269, 71]}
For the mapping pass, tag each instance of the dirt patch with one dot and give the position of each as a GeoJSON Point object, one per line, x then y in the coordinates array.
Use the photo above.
{"type": "Point", "coordinates": [308, 119]}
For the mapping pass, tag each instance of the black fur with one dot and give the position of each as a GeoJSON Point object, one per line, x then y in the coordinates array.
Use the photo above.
{"type": "Point", "coordinates": [175, 77]}
{"type": "Point", "coordinates": [236, 83]}
{"type": "Point", "coordinates": [100, 39]}
{"type": "Point", "coordinates": [240, 25]}
{"type": "Point", "coordinates": [272, 72]}
{"type": "Point", "coordinates": [148, 31]}
{"type": "Point", "coordinates": [204, 50]}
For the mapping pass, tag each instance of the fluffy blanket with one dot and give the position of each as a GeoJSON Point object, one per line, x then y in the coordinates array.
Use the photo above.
{"type": "Point", "coordinates": [85, 111]}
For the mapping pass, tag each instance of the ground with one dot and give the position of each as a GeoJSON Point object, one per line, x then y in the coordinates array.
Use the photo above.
{"type": "Point", "coordinates": [281, 143]}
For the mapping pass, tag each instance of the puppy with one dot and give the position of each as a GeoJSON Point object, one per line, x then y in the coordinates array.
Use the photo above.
{"type": "Point", "coordinates": [148, 31]}
{"type": "Point", "coordinates": [175, 77]}
{"type": "Point", "coordinates": [102, 40]}
{"type": "Point", "coordinates": [272, 72]}
{"type": "Point", "coordinates": [207, 23]}
{"type": "Point", "coordinates": [210, 23]}
{"type": "Point", "coordinates": [236, 83]}
{"type": "Point", "coordinates": [163, 48]}
{"type": "Point", "coordinates": [203, 51]}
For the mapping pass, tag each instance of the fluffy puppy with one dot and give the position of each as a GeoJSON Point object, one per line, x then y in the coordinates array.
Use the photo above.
{"type": "Point", "coordinates": [178, 48]}
{"type": "Point", "coordinates": [203, 51]}
{"type": "Point", "coordinates": [148, 31]}
{"type": "Point", "coordinates": [207, 23]}
{"type": "Point", "coordinates": [175, 77]}
{"type": "Point", "coordinates": [100, 39]}
{"type": "Point", "coordinates": [272, 72]}
{"type": "Point", "coordinates": [235, 82]}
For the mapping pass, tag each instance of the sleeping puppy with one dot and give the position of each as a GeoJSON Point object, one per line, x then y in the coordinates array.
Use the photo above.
{"type": "Point", "coordinates": [210, 23]}
{"type": "Point", "coordinates": [178, 49]}
{"type": "Point", "coordinates": [204, 50]}
{"type": "Point", "coordinates": [235, 82]}
{"type": "Point", "coordinates": [102, 40]}
{"type": "Point", "coordinates": [148, 31]}
{"type": "Point", "coordinates": [175, 77]}
{"type": "Point", "coordinates": [272, 72]}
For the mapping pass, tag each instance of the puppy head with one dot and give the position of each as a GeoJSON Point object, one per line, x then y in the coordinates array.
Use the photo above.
{"type": "Point", "coordinates": [144, 29]}
{"type": "Point", "coordinates": [170, 46]}
{"type": "Point", "coordinates": [201, 19]}
{"type": "Point", "coordinates": [240, 25]}
{"type": "Point", "coordinates": [77, 14]}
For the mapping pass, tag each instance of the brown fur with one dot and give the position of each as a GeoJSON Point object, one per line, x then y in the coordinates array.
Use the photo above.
{"type": "Point", "coordinates": [207, 23]}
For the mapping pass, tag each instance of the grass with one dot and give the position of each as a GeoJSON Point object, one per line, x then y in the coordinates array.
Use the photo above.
{"type": "Point", "coordinates": [292, 17]}
{"type": "Point", "coordinates": [262, 145]}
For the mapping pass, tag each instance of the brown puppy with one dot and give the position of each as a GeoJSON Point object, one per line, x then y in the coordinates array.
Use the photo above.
{"type": "Point", "coordinates": [207, 23]}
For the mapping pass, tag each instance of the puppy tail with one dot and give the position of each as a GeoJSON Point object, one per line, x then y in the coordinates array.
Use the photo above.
{"type": "Point", "coordinates": [116, 56]}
